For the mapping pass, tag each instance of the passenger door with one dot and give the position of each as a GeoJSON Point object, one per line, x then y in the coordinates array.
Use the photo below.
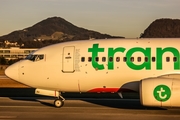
{"type": "Point", "coordinates": [68, 59]}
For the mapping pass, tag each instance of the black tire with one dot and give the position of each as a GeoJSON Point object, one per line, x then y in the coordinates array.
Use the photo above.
{"type": "Point", "coordinates": [58, 103]}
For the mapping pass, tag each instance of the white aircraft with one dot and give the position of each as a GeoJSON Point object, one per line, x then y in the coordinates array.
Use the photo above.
{"type": "Point", "coordinates": [148, 66]}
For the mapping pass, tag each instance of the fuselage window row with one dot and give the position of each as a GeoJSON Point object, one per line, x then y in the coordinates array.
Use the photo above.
{"type": "Point", "coordinates": [132, 59]}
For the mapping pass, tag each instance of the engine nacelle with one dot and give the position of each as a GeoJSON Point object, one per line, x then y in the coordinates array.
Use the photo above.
{"type": "Point", "coordinates": [160, 91]}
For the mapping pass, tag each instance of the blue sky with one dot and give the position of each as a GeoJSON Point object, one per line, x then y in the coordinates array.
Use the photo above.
{"type": "Point", "coordinates": [128, 18]}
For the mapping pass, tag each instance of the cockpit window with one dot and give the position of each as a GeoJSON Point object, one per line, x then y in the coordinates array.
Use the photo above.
{"type": "Point", "coordinates": [35, 57]}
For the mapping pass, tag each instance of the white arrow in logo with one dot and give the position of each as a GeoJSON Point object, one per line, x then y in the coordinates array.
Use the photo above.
{"type": "Point", "coordinates": [160, 93]}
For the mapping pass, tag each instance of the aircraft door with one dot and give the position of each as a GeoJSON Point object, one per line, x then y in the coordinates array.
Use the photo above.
{"type": "Point", "coordinates": [68, 59]}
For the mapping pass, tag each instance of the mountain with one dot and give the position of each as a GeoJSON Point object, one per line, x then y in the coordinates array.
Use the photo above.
{"type": "Point", "coordinates": [163, 28]}
{"type": "Point", "coordinates": [54, 28]}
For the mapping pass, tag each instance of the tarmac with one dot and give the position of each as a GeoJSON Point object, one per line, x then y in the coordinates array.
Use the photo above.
{"type": "Point", "coordinates": [28, 108]}
{"type": "Point", "coordinates": [18, 102]}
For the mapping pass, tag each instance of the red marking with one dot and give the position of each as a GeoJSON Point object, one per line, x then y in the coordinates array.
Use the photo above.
{"type": "Point", "coordinates": [110, 90]}
{"type": "Point", "coordinates": [104, 90]}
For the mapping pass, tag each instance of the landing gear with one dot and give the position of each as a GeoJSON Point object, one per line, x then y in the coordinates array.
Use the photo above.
{"type": "Point", "coordinates": [59, 102]}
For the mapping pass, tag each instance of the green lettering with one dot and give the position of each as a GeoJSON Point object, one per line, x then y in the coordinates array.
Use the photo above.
{"type": "Point", "coordinates": [111, 52]}
{"type": "Point", "coordinates": [159, 56]}
{"type": "Point", "coordinates": [146, 52]}
{"type": "Point", "coordinates": [95, 49]}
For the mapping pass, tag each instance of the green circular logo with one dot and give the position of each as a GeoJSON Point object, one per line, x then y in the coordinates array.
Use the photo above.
{"type": "Point", "coordinates": [162, 93]}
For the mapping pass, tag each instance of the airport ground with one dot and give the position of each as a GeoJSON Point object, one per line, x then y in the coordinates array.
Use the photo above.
{"type": "Point", "coordinates": [18, 102]}
{"type": "Point", "coordinates": [37, 108]}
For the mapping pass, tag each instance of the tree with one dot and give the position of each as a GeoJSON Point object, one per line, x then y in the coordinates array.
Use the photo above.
{"type": "Point", "coordinates": [3, 61]}
{"type": "Point", "coordinates": [12, 61]}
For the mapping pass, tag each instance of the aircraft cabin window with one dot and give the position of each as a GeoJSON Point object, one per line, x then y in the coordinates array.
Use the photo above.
{"type": "Point", "coordinates": [153, 59]}
{"type": "Point", "coordinates": [41, 57]}
{"type": "Point", "coordinates": [117, 59]}
{"type": "Point", "coordinates": [28, 57]}
{"type": "Point", "coordinates": [35, 57]}
{"type": "Point", "coordinates": [175, 59]}
{"type": "Point", "coordinates": [97, 59]}
{"type": "Point", "coordinates": [110, 59]}
{"type": "Point", "coordinates": [146, 59]}
{"type": "Point", "coordinates": [89, 59]}
{"type": "Point", "coordinates": [82, 59]}
{"type": "Point", "coordinates": [124, 59]}
{"type": "Point", "coordinates": [167, 59]}
{"type": "Point", "coordinates": [132, 59]}
{"type": "Point", "coordinates": [139, 59]}
{"type": "Point", "coordinates": [103, 59]}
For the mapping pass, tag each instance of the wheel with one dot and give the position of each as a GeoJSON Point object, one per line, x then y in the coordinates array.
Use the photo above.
{"type": "Point", "coordinates": [58, 103]}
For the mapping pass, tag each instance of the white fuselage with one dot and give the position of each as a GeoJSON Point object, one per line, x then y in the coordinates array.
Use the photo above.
{"type": "Point", "coordinates": [65, 66]}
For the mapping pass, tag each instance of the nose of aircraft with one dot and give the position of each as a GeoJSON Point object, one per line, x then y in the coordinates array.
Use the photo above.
{"type": "Point", "coordinates": [13, 71]}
